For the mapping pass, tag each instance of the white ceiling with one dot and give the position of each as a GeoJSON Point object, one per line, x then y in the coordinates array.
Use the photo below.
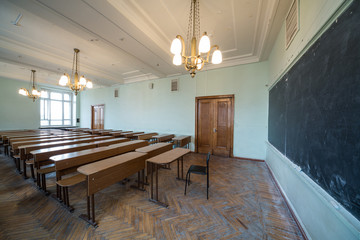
{"type": "Point", "coordinates": [123, 41]}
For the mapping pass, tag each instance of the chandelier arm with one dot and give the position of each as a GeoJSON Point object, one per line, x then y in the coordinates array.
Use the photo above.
{"type": "Point", "coordinates": [208, 54]}
{"type": "Point", "coordinates": [182, 45]}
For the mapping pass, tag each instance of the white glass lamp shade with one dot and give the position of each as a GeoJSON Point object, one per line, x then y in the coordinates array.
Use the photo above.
{"type": "Point", "coordinates": [82, 81]}
{"type": "Point", "coordinates": [176, 46]}
{"type": "Point", "coordinates": [23, 91]}
{"type": "Point", "coordinates": [63, 80]}
{"type": "Point", "coordinates": [89, 84]}
{"type": "Point", "coordinates": [199, 63]}
{"type": "Point", "coordinates": [35, 92]}
{"type": "Point", "coordinates": [204, 45]}
{"type": "Point", "coordinates": [216, 57]}
{"type": "Point", "coordinates": [177, 60]}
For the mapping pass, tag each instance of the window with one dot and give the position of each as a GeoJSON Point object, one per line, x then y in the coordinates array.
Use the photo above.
{"type": "Point", "coordinates": [57, 108]}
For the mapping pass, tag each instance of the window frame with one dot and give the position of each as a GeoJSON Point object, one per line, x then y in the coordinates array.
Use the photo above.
{"type": "Point", "coordinates": [45, 102]}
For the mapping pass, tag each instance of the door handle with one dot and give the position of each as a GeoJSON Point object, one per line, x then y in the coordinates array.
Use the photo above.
{"type": "Point", "coordinates": [214, 130]}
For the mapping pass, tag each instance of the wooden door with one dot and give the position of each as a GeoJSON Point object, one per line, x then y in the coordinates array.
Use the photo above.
{"type": "Point", "coordinates": [97, 116]}
{"type": "Point", "coordinates": [214, 125]}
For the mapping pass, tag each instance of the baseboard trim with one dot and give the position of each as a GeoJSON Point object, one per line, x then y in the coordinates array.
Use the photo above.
{"type": "Point", "coordinates": [249, 159]}
{"type": "Point", "coordinates": [287, 204]}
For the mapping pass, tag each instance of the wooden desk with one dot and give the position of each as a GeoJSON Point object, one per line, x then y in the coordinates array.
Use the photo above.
{"type": "Point", "coordinates": [26, 149]}
{"type": "Point", "coordinates": [67, 163]}
{"type": "Point", "coordinates": [163, 159]}
{"type": "Point", "coordinates": [16, 145]}
{"type": "Point", "coordinates": [111, 141]}
{"type": "Point", "coordinates": [120, 134]}
{"type": "Point", "coordinates": [181, 141]}
{"type": "Point", "coordinates": [164, 137]}
{"type": "Point", "coordinates": [144, 136]}
{"type": "Point", "coordinates": [43, 156]}
{"type": "Point", "coordinates": [130, 134]}
{"type": "Point", "coordinates": [102, 174]}
{"type": "Point", "coordinates": [105, 133]}
{"type": "Point", "coordinates": [154, 150]}
{"type": "Point", "coordinates": [24, 139]}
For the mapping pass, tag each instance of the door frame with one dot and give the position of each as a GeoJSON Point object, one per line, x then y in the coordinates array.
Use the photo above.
{"type": "Point", "coordinates": [92, 114]}
{"type": "Point", "coordinates": [232, 100]}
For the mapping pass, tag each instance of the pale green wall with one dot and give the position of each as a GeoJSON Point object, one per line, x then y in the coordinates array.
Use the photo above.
{"type": "Point", "coordinates": [320, 215]}
{"type": "Point", "coordinates": [163, 111]}
{"type": "Point", "coordinates": [17, 111]}
{"type": "Point", "coordinates": [313, 16]}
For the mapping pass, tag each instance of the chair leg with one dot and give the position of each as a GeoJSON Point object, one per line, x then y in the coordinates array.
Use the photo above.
{"type": "Point", "coordinates": [189, 180]}
{"type": "Point", "coordinates": [186, 182]}
{"type": "Point", "coordinates": [207, 186]}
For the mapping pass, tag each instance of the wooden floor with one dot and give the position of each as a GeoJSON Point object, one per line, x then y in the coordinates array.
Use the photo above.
{"type": "Point", "coordinates": [244, 203]}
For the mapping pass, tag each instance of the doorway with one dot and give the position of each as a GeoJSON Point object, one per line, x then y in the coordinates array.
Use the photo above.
{"type": "Point", "coordinates": [214, 125]}
{"type": "Point", "coordinates": [97, 116]}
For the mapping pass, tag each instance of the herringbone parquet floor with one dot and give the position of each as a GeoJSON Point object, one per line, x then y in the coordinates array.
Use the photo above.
{"type": "Point", "coordinates": [244, 203]}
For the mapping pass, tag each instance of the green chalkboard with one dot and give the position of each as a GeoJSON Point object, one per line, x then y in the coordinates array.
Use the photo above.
{"type": "Point", "coordinates": [314, 111]}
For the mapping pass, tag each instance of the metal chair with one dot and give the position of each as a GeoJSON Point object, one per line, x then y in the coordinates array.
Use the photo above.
{"type": "Point", "coordinates": [202, 170]}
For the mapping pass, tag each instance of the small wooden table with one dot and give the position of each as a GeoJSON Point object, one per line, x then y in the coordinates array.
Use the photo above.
{"type": "Point", "coordinates": [102, 174]}
{"type": "Point", "coordinates": [181, 141]}
{"type": "Point", "coordinates": [144, 136]}
{"type": "Point", "coordinates": [164, 137]}
{"type": "Point", "coordinates": [163, 159]}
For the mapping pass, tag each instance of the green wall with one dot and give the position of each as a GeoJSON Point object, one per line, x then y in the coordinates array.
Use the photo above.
{"type": "Point", "coordinates": [17, 111]}
{"type": "Point", "coordinates": [163, 111]}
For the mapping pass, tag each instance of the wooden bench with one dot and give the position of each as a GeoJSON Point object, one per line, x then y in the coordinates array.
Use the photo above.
{"type": "Point", "coordinates": [163, 159]}
{"type": "Point", "coordinates": [100, 175]}
{"type": "Point", "coordinates": [67, 163]}
{"type": "Point", "coordinates": [42, 158]}
{"type": "Point", "coordinates": [182, 141]}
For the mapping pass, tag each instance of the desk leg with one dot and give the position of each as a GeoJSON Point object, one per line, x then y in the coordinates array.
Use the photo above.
{"type": "Point", "coordinates": [156, 200]}
{"type": "Point", "coordinates": [157, 182]}
{"type": "Point", "coordinates": [140, 182]}
{"type": "Point", "coordinates": [90, 217]}
{"type": "Point", "coordinates": [151, 180]}
{"type": "Point", "coordinates": [178, 169]}
{"type": "Point", "coordinates": [143, 179]}
{"type": "Point", "coordinates": [182, 169]}
{"type": "Point", "coordinates": [24, 167]}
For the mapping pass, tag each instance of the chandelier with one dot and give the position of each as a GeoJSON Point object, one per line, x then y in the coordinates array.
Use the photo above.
{"type": "Point", "coordinates": [34, 93]}
{"type": "Point", "coordinates": [198, 57]}
{"type": "Point", "coordinates": [79, 83]}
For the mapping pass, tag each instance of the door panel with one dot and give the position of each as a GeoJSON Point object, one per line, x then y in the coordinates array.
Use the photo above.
{"type": "Point", "coordinates": [214, 129]}
{"type": "Point", "coordinates": [222, 127]}
{"type": "Point", "coordinates": [97, 120]}
{"type": "Point", "coordinates": [205, 111]}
